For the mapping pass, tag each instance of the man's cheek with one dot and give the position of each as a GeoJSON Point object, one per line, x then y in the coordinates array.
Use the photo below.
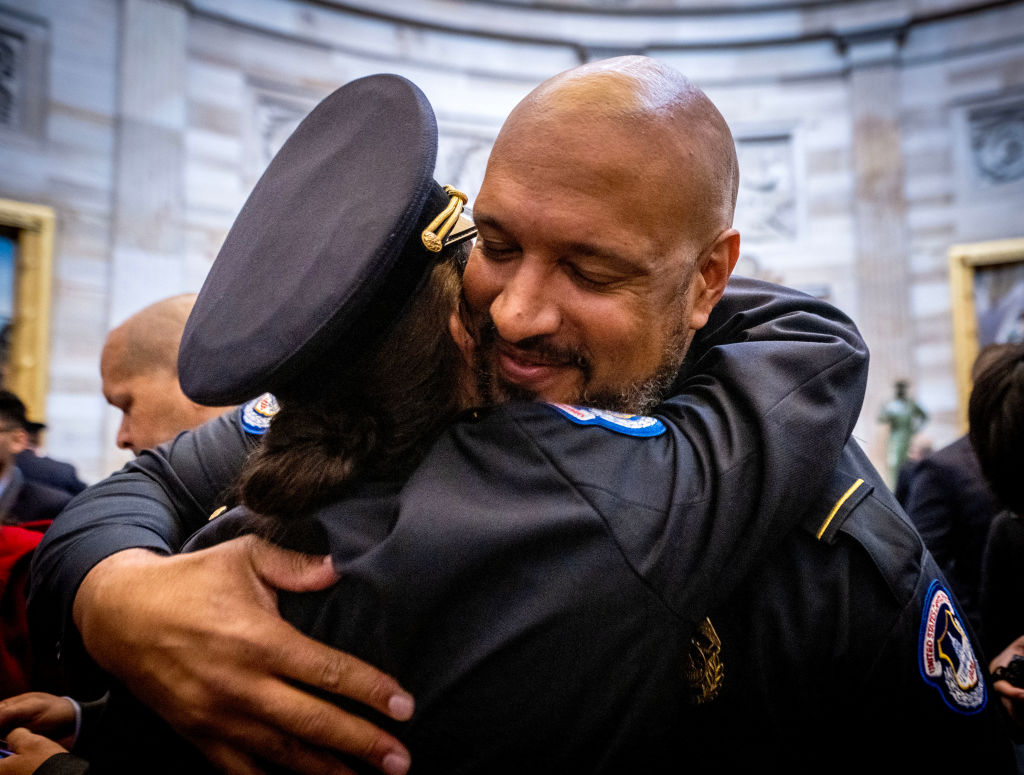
{"type": "Point", "coordinates": [482, 282]}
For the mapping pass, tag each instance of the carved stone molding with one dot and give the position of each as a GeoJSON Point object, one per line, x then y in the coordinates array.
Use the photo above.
{"type": "Point", "coordinates": [462, 154]}
{"type": "Point", "coordinates": [12, 62]}
{"type": "Point", "coordinates": [766, 208]}
{"type": "Point", "coordinates": [997, 143]}
{"type": "Point", "coordinates": [24, 48]}
{"type": "Point", "coordinates": [275, 109]}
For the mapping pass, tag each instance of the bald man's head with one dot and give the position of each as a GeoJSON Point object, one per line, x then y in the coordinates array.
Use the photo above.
{"type": "Point", "coordinates": [139, 369]}
{"type": "Point", "coordinates": [604, 237]}
{"type": "Point", "coordinates": [659, 113]}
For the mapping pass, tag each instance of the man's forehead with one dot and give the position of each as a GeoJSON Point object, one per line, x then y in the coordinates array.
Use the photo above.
{"type": "Point", "coordinates": [129, 381]}
{"type": "Point", "coordinates": [574, 221]}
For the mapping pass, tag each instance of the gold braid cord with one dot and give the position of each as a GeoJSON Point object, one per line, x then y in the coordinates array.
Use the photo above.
{"type": "Point", "coordinates": [433, 236]}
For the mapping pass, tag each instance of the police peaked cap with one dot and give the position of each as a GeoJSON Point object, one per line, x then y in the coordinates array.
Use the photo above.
{"type": "Point", "coordinates": [337, 235]}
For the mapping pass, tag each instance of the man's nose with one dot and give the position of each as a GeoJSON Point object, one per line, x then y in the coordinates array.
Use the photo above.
{"type": "Point", "coordinates": [124, 436]}
{"type": "Point", "coordinates": [528, 304]}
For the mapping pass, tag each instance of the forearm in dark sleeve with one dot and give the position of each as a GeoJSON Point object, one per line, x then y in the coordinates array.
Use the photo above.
{"type": "Point", "coordinates": [63, 764]}
{"type": "Point", "coordinates": [768, 399]}
{"type": "Point", "coordinates": [154, 503]}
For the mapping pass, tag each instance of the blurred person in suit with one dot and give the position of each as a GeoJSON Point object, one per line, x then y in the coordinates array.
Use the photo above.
{"type": "Point", "coordinates": [996, 420]}
{"type": "Point", "coordinates": [139, 368]}
{"type": "Point", "coordinates": [42, 468]}
{"type": "Point", "coordinates": [920, 448]}
{"type": "Point", "coordinates": [22, 499]}
{"type": "Point", "coordinates": [27, 507]}
{"type": "Point", "coordinates": [952, 506]}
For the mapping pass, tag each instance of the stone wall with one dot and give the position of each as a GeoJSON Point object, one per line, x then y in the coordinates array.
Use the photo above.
{"type": "Point", "coordinates": [872, 136]}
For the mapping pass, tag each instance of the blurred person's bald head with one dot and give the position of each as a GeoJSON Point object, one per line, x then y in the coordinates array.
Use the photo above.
{"type": "Point", "coordinates": [139, 368]}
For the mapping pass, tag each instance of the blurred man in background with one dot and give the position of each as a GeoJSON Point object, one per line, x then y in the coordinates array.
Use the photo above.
{"type": "Point", "coordinates": [139, 367]}
{"type": "Point", "coordinates": [42, 468]}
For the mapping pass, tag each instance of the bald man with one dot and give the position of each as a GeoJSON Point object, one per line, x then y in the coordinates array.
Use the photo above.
{"type": "Point", "coordinates": [139, 367]}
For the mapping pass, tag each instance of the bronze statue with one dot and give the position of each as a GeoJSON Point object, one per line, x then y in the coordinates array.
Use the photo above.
{"type": "Point", "coordinates": [904, 418]}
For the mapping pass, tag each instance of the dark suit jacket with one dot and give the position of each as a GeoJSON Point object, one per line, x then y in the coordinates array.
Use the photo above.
{"type": "Point", "coordinates": [1002, 584]}
{"type": "Point", "coordinates": [952, 507]}
{"type": "Point", "coordinates": [46, 470]}
{"type": "Point", "coordinates": [25, 500]}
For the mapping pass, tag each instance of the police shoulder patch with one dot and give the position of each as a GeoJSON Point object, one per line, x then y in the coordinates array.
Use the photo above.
{"type": "Point", "coordinates": [627, 424]}
{"type": "Point", "coordinates": [946, 656]}
{"type": "Point", "coordinates": [256, 415]}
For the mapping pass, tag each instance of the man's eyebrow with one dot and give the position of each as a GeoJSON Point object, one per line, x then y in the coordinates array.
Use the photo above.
{"type": "Point", "coordinates": [610, 258]}
{"type": "Point", "coordinates": [489, 221]}
{"type": "Point", "coordinates": [575, 247]}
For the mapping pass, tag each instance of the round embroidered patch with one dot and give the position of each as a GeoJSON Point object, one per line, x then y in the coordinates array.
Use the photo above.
{"type": "Point", "coordinates": [946, 656]}
{"type": "Point", "coordinates": [627, 424]}
{"type": "Point", "coordinates": [256, 415]}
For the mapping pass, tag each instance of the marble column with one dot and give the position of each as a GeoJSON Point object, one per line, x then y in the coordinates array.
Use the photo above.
{"type": "Point", "coordinates": [881, 241]}
{"type": "Point", "coordinates": [149, 200]}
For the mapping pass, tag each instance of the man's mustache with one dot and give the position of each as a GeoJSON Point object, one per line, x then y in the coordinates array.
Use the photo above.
{"type": "Point", "coordinates": [539, 348]}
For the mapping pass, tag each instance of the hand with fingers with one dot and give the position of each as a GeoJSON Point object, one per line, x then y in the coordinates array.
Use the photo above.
{"type": "Point", "coordinates": [28, 751]}
{"type": "Point", "coordinates": [1009, 680]}
{"type": "Point", "coordinates": [221, 668]}
{"type": "Point", "coordinates": [41, 713]}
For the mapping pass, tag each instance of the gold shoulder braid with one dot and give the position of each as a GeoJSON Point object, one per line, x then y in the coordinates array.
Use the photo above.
{"type": "Point", "coordinates": [702, 664]}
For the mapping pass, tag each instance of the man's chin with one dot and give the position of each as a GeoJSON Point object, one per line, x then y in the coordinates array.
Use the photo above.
{"type": "Point", "coordinates": [638, 398]}
{"type": "Point", "coordinates": [627, 402]}
{"type": "Point", "coordinates": [501, 392]}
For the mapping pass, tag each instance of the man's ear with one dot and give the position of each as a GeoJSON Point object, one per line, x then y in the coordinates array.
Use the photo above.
{"type": "Point", "coordinates": [713, 275]}
{"type": "Point", "coordinates": [463, 340]}
{"type": "Point", "coordinates": [457, 327]}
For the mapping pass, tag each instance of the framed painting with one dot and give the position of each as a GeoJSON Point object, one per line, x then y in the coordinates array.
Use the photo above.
{"type": "Point", "coordinates": [987, 286]}
{"type": "Point", "coordinates": [26, 261]}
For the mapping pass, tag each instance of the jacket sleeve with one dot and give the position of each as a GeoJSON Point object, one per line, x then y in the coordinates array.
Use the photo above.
{"type": "Point", "coordinates": [63, 764]}
{"type": "Point", "coordinates": [767, 400]}
{"type": "Point", "coordinates": [155, 502]}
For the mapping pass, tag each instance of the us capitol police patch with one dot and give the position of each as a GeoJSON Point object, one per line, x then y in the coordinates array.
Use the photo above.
{"type": "Point", "coordinates": [626, 424]}
{"type": "Point", "coordinates": [946, 656]}
{"type": "Point", "coordinates": [257, 414]}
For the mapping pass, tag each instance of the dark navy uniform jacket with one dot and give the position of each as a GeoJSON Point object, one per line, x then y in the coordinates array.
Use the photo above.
{"type": "Point", "coordinates": [845, 651]}
{"type": "Point", "coordinates": [537, 582]}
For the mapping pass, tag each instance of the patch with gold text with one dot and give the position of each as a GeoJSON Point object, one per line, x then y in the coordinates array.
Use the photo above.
{"type": "Point", "coordinates": [946, 656]}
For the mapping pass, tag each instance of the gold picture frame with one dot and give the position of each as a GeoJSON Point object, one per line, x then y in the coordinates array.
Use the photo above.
{"type": "Point", "coordinates": [26, 367]}
{"type": "Point", "coordinates": [987, 286]}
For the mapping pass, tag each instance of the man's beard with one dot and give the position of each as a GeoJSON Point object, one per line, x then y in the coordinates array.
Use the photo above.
{"type": "Point", "coordinates": [637, 397]}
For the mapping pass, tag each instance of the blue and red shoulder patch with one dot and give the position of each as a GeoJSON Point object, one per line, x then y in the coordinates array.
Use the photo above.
{"type": "Point", "coordinates": [946, 656]}
{"type": "Point", "coordinates": [626, 424]}
{"type": "Point", "coordinates": [256, 415]}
